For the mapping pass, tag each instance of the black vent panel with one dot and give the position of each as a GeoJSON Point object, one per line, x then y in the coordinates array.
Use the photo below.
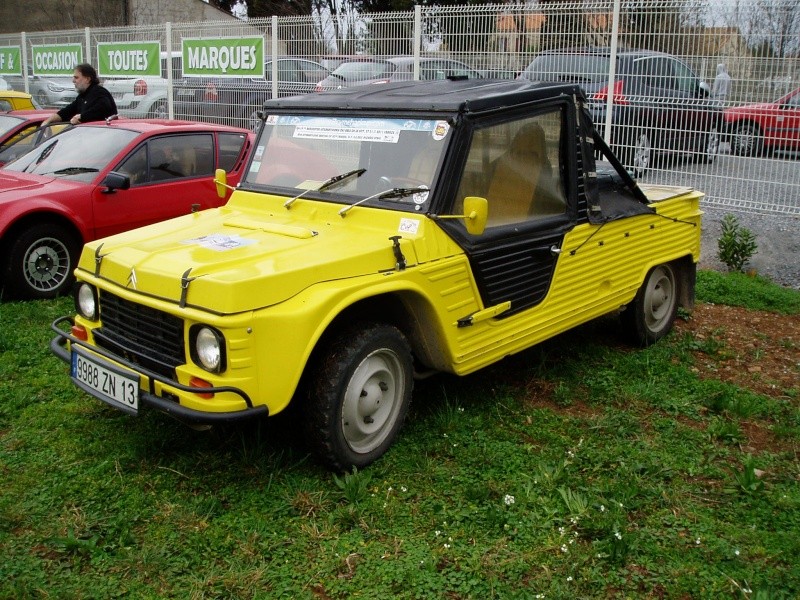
{"type": "Point", "coordinates": [143, 335]}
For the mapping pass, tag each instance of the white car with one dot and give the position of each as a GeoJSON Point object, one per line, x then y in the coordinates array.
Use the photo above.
{"type": "Point", "coordinates": [147, 96]}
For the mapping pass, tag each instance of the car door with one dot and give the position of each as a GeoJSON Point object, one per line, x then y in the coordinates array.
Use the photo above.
{"type": "Point", "coordinates": [171, 175]}
{"type": "Point", "coordinates": [518, 166]}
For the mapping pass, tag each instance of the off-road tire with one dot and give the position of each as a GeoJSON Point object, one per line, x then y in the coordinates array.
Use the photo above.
{"type": "Point", "coordinates": [652, 313]}
{"type": "Point", "coordinates": [358, 395]}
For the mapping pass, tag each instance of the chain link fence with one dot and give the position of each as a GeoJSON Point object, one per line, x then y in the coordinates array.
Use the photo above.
{"type": "Point", "coordinates": [745, 160]}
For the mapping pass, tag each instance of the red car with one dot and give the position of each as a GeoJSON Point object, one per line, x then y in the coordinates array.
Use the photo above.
{"type": "Point", "coordinates": [756, 129]}
{"type": "Point", "coordinates": [18, 132]}
{"type": "Point", "coordinates": [98, 179]}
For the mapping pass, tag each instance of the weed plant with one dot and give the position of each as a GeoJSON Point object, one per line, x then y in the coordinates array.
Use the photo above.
{"type": "Point", "coordinates": [580, 469]}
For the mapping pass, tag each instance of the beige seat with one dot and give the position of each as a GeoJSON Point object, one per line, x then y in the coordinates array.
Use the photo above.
{"type": "Point", "coordinates": [188, 161]}
{"type": "Point", "coordinates": [516, 175]}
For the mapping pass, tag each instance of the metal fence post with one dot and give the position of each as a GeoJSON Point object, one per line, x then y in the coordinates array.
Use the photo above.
{"type": "Point", "coordinates": [274, 52]}
{"type": "Point", "coordinates": [417, 38]}
{"type": "Point", "coordinates": [24, 52]}
{"type": "Point", "coordinates": [612, 71]}
{"type": "Point", "coordinates": [88, 40]}
{"type": "Point", "coordinates": [170, 78]}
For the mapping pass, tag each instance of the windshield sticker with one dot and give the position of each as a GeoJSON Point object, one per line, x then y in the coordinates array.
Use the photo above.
{"type": "Point", "coordinates": [259, 152]}
{"type": "Point", "coordinates": [359, 134]}
{"type": "Point", "coordinates": [255, 166]}
{"type": "Point", "coordinates": [408, 226]}
{"type": "Point", "coordinates": [440, 131]}
{"type": "Point", "coordinates": [219, 242]}
{"type": "Point", "coordinates": [420, 197]}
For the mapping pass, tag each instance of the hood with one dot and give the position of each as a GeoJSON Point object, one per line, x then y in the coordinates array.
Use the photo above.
{"type": "Point", "coordinates": [14, 182]}
{"type": "Point", "coordinates": [238, 258]}
{"type": "Point", "coordinates": [750, 109]}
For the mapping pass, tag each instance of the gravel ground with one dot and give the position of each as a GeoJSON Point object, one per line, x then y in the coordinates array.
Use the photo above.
{"type": "Point", "coordinates": [778, 239]}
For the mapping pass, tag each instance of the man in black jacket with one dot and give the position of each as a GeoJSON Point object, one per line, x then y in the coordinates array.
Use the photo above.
{"type": "Point", "coordinates": [94, 102]}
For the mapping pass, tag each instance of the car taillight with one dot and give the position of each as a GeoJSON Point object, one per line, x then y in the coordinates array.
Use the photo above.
{"type": "Point", "coordinates": [211, 93]}
{"type": "Point", "coordinates": [140, 88]}
{"type": "Point", "coordinates": [617, 97]}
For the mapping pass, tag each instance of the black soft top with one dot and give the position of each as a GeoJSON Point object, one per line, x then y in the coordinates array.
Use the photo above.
{"type": "Point", "coordinates": [456, 96]}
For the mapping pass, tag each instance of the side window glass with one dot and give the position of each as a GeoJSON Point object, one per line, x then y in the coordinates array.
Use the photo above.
{"type": "Point", "coordinates": [516, 167]}
{"type": "Point", "coordinates": [174, 157]}
{"type": "Point", "coordinates": [685, 80]}
{"type": "Point", "coordinates": [230, 146]}
{"type": "Point", "coordinates": [135, 166]}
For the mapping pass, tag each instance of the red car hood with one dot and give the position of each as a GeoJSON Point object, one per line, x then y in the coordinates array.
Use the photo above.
{"type": "Point", "coordinates": [14, 185]}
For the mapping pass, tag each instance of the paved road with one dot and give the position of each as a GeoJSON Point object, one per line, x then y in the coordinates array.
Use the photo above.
{"type": "Point", "coordinates": [770, 185]}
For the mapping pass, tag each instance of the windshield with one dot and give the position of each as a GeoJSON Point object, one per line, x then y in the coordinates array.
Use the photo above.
{"type": "Point", "coordinates": [77, 153]}
{"type": "Point", "coordinates": [363, 70]}
{"type": "Point", "coordinates": [8, 122]}
{"type": "Point", "coordinates": [580, 68]}
{"type": "Point", "coordinates": [299, 153]}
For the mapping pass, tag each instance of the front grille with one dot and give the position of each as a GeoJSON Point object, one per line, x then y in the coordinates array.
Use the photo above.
{"type": "Point", "coordinates": [141, 334]}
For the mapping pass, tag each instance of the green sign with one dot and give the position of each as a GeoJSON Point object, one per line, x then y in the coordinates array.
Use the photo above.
{"type": "Point", "coordinates": [119, 59]}
{"type": "Point", "coordinates": [224, 57]}
{"type": "Point", "coordinates": [56, 59]}
{"type": "Point", "coordinates": [10, 61]}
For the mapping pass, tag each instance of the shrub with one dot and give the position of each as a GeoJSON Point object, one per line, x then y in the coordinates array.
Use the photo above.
{"type": "Point", "coordinates": [736, 244]}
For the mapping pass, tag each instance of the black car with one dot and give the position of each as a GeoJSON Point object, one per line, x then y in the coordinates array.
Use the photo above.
{"type": "Point", "coordinates": [658, 103]}
{"type": "Point", "coordinates": [237, 100]}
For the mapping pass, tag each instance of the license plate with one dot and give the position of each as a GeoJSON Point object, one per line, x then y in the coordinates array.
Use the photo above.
{"type": "Point", "coordinates": [111, 384]}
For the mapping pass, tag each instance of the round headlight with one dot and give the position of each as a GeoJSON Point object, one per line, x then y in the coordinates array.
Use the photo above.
{"type": "Point", "coordinates": [209, 349]}
{"type": "Point", "coordinates": [86, 301]}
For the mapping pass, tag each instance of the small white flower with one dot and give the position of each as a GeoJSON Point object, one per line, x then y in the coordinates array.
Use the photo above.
{"type": "Point", "coordinates": [461, 409]}
{"type": "Point", "coordinates": [438, 533]}
{"type": "Point", "coordinates": [569, 578]}
{"type": "Point", "coordinates": [697, 541]}
{"type": "Point", "coordinates": [508, 499]}
{"type": "Point", "coordinates": [561, 531]}
{"type": "Point", "coordinates": [564, 548]}
{"type": "Point", "coordinates": [446, 546]}
{"type": "Point", "coordinates": [403, 488]}
{"type": "Point", "coordinates": [602, 508]}
{"type": "Point", "coordinates": [618, 535]}
{"type": "Point", "coordinates": [445, 435]}
{"type": "Point", "coordinates": [390, 490]}
{"type": "Point", "coordinates": [736, 552]}
{"type": "Point", "coordinates": [573, 520]}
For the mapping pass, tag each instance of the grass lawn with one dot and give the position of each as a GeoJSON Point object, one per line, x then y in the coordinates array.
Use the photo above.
{"type": "Point", "coordinates": [582, 468]}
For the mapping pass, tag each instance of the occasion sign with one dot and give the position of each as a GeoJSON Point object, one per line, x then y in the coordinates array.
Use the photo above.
{"type": "Point", "coordinates": [224, 57]}
{"type": "Point", "coordinates": [10, 61]}
{"type": "Point", "coordinates": [56, 59]}
{"type": "Point", "coordinates": [119, 59]}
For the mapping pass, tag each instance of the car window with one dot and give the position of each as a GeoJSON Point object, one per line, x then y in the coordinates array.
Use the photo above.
{"type": "Point", "coordinates": [5, 105]}
{"type": "Point", "coordinates": [8, 122]}
{"type": "Point", "coordinates": [516, 167]}
{"type": "Point", "coordinates": [170, 157]}
{"type": "Point", "coordinates": [361, 70]}
{"type": "Point", "coordinates": [685, 80]}
{"type": "Point", "coordinates": [793, 101]}
{"type": "Point", "coordinates": [230, 146]}
{"type": "Point", "coordinates": [178, 156]}
{"type": "Point", "coordinates": [585, 68]}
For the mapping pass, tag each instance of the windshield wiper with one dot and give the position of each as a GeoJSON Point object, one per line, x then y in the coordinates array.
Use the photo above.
{"type": "Point", "coordinates": [327, 184]}
{"type": "Point", "coordinates": [72, 171]}
{"type": "Point", "coordinates": [385, 195]}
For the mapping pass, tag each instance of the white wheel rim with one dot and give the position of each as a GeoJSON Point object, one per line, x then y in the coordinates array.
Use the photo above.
{"type": "Point", "coordinates": [372, 401]}
{"type": "Point", "coordinates": [641, 156]}
{"type": "Point", "coordinates": [659, 298]}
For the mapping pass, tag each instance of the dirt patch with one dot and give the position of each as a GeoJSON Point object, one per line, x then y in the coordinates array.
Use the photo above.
{"type": "Point", "coordinates": [755, 350]}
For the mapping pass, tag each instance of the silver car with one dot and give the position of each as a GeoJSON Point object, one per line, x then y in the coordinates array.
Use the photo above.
{"type": "Point", "coordinates": [48, 90]}
{"type": "Point", "coordinates": [147, 96]}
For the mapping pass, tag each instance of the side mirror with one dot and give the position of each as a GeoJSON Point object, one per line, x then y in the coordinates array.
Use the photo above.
{"type": "Point", "coordinates": [116, 181]}
{"type": "Point", "coordinates": [705, 89]}
{"type": "Point", "coordinates": [476, 211]}
{"type": "Point", "coordinates": [221, 181]}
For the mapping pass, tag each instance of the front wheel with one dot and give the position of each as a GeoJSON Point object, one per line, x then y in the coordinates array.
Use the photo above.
{"type": "Point", "coordinates": [747, 140]}
{"type": "Point", "coordinates": [40, 262]}
{"type": "Point", "coordinates": [710, 147]}
{"type": "Point", "coordinates": [160, 111]}
{"type": "Point", "coordinates": [358, 396]}
{"type": "Point", "coordinates": [652, 313]}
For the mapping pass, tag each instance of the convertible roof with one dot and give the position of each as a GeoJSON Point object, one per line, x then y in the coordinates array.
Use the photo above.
{"type": "Point", "coordinates": [462, 95]}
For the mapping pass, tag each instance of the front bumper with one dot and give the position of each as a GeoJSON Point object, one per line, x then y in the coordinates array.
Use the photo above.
{"type": "Point", "coordinates": [147, 396]}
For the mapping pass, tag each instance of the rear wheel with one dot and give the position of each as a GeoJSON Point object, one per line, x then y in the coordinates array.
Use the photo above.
{"type": "Point", "coordinates": [159, 111]}
{"type": "Point", "coordinates": [358, 396]}
{"type": "Point", "coordinates": [638, 156]}
{"type": "Point", "coordinates": [652, 313]}
{"type": "Point", "coordinates": [40, 262]}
